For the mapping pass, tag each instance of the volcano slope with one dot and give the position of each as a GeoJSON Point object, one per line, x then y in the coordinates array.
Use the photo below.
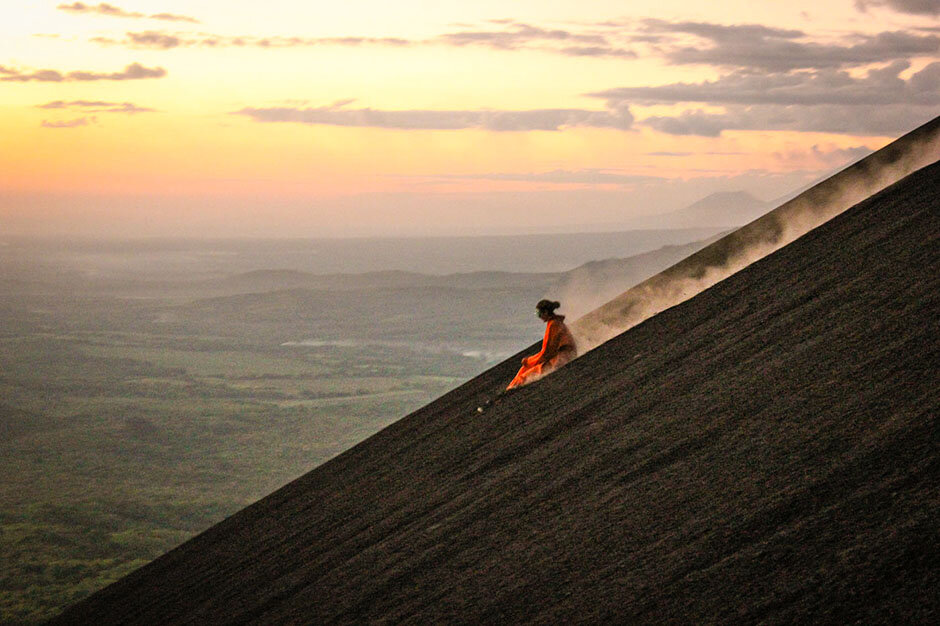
{"type": "Point", "coordinates": [766, 451]}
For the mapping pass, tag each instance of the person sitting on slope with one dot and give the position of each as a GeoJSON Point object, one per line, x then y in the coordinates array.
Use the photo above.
{"type": "Point", "coordinates": [558, 347]}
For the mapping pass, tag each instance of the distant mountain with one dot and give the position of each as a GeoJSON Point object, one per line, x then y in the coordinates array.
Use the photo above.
{"type": "Point", "coordinates": [410, 304]}
{"type": "Point", "coordinates": [121, 265]}
{"type": "Point", "coordinates": [731, 208]}
{"type": "Point", "coordinates": [274, 280]}
{"type": "Point", "coordinates": [260, 281]}
{"type": "Point", "coordinates": [719, 210]}
{"type": "Point", "coordinates": [188, 269]}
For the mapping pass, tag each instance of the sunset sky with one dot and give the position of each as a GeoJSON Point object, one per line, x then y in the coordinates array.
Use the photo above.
{"type": "Point", "coordinates": [364, 117]}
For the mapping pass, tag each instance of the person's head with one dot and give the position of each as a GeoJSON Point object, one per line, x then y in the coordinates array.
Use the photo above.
{"type": "Point", "coordinates": [545, 309]}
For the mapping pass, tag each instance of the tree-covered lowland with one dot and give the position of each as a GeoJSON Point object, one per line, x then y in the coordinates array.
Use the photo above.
{"type": "Point", "coordinates": [129, 425]}
{"type": "Point", "coordinates": [145, 397]}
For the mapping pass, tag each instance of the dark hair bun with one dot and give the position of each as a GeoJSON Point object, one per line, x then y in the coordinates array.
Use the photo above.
{"type": "Point", "coordinates": [547, 305]}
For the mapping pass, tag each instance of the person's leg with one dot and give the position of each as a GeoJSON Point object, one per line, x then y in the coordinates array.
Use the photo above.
{"type": "Point", "coordinates": [527, 373]}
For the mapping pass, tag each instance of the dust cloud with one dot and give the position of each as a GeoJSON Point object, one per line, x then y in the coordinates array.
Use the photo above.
{"type": "Point", "coordinates": [761, 237]}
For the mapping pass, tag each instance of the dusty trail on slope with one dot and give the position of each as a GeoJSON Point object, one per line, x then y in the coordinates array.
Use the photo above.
{"type": "Point", "coordinates": [756, 240]}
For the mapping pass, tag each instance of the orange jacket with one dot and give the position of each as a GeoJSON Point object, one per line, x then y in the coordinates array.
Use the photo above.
{"type": "Point", "coordinates": [557, 339]}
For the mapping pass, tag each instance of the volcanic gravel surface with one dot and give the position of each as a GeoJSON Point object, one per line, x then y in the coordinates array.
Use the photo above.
{"type": "Point", "coordinates": [765, 452]}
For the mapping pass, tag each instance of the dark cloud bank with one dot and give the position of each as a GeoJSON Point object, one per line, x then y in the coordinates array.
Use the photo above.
{"type": "Point", "coordinates": [759, 48]}
{"type": "Point", "coordinates": [916, 7]}
{"type": "Point", "coordinates": [825, 101]}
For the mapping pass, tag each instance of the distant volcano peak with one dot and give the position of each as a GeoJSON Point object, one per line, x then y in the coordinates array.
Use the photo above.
{"type": "Point", "coordinates": [726, 200]}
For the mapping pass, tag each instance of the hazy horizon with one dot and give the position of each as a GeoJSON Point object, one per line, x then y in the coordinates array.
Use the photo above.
{"type": "Point", "coordinates": [560, 212]}
{"type": "Point", "coordinates": [25, 257]}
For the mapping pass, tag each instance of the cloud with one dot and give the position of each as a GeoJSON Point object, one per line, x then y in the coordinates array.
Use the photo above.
{"type": "Point", "coordinates": [840, 156]}
{"type": "Point", "coordinates": [170, 17]}
{"type": "Point", "coordinates": [825, 156]}
{"type": "Point", "coordinates": [517, 35]}
{"type": "Point", "coordinates": [96, 106]}
{"type": "Point", "coordinates": [691, 123]}
{"type": "Point", "coordinates": [757, 47]}
{"type": "Point", "coordinates": [47, 76]}
{"type": "Point", "coordinates": [598, 51]}
{"type": "Point", "coordinates": [101, 9]}
{"type": "Point", "coordinates": [164, 41]}
{"type": "Point", "coordinates": [916, 7]}
{"type": "Point", "coordinates": [746, 46]}
{"type": "Point", "coordinates": [509, 35]}
{"type": "Point", "coordinates": [880, 103]}
{"type": "Point", "coordinates": [113, 11]}
{"type": "Point", "coordinates": [493, 120]}
{"type": "Point", "coordinates": [589, 176]}
{"type": "Point", "coordinates": [852, 120]}
{"type": "Point", "coordinates": [879, 87]}
{"type": "Point", "coordinates": [134, 71]}
{"type": "Point", "coordinates": [723, 33]}
{"type": "Point", "coordinates": [152, 39]}
{"type": "Point", "coordinates": [82, 121]}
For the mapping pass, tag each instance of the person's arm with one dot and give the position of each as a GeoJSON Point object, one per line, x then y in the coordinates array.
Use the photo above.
{"type": "Point", "coordinates": [532, 359]}
{"type": "Point", "coordinates": [549, 345]}
{"type": "Point", "coordinates": [552, 341]}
